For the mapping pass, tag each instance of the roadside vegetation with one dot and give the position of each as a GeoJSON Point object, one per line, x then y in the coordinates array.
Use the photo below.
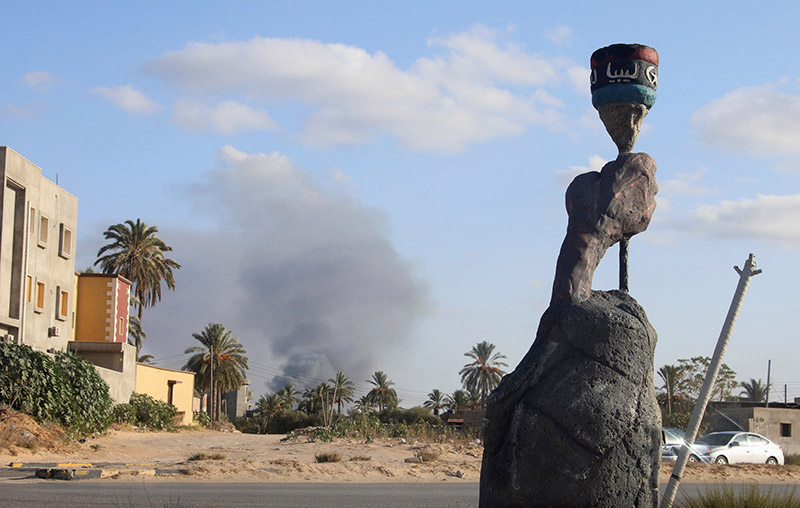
{"type": "Point", "coordinates": [749, 496]}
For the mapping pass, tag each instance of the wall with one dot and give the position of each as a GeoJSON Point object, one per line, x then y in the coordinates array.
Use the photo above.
{"type": "Point", "coordinates": [102, 302]}
{"type": "Point", "coordinates": [761, 420]}
{"type": "Point", "coordinates": [155, 381]}
{"type": "Point", "coordinates": [116, 364]}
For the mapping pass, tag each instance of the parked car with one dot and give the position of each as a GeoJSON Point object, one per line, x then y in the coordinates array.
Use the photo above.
{"type": "Point", "coordinates": [672, 440]}
{"type": "Point", "coordinates": [737, 447]}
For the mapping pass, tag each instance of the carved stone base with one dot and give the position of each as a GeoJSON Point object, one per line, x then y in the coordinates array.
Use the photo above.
{"type": "Point", "coordinates": [577, 423]}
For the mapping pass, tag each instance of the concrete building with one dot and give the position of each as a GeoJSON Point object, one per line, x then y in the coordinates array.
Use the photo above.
{"type": "Point", "coordinates": [174, 387]}
{"type": "Point", "coordinates": [236, 402]}
{"type": "Point", "coordinates": [101, 330]}
{"type": "Point", "coordinates": [37, 261]}
{"type": "Point", "coordinates": [779, 422]}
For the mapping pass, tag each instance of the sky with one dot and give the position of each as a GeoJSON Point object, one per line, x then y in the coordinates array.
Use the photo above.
{"type": "Point", "coordinates": [364, 186]}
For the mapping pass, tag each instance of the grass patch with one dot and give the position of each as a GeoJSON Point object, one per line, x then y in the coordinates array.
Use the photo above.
{"type": "Point", "coordinates": [361, 458]}
{"type": "Point", "coordinates": [206, 456]}
{"type": "Point", "coordinates": [792, 459]}
{"type": "Point", "coordinates": [427, 454]}
{"type": "Point", "coordinates": [328, 457]}
{"type": "Point", "coordinates": [749, 496]}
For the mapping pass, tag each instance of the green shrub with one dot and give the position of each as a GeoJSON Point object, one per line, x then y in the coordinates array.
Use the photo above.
{"type": "Point", "coordinates": [201, 418]}
{"type": "Point", "coordinates": [750, 496]}
{"type": "Point", "coordinates": [328, 457]}
{"type": "Point", "coordinates": [146, 412]}
{"type": "Point", "coordinates": [287, 421]}
{"type": "Point", "coordinates": [66, 389]}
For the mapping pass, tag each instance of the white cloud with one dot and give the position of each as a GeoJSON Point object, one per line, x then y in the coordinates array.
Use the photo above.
{"type": "Point", "coordinates": [227, 117]}
{"type": "Point", "coordinates": [685, 184]}
{"type": "Point", "coordinates": [7, 110]}
{"type": "Point", "coordinates": [767, 217]}
{"type": "Point", "coordinates": [760, 121]}
{"type": "Point", "coordinates": [38, 80]}
{"type": "Point", "coordinates": [560, 34]}
{"type": "Point", "coordinates": [475, 88]}
{"type": "Point", "coordinates": [128, 98]}
{"type": "Point", "coordinates": [565, 176]}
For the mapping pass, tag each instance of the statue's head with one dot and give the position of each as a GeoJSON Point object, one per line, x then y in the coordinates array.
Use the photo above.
{"type": "Point", "coordinates": [624, 78]}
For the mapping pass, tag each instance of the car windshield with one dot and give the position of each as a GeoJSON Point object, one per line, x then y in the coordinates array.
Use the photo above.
{"type": "Point", "coordinates": [716, 439]}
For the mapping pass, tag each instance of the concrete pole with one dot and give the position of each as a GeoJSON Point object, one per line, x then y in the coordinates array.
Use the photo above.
{"type": "Point", "coordinates": [711, 377]}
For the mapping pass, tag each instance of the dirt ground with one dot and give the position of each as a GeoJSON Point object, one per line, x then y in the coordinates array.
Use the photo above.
{"type": "Point", "coordinates": [236, 457]}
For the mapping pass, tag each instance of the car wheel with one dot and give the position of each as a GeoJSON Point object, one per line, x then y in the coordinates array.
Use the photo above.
{"type": "Point", "coordinates": [721, 460]}
{"type": "Point", "coordinates": [693, 458]}
{"type": "Point", "coordinates": [772, 461]}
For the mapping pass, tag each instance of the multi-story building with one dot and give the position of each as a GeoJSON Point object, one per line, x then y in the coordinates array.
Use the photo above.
{"type": "Point", "coordinates": [37, 260]}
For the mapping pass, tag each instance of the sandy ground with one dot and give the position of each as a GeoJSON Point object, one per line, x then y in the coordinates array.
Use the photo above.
{"type": "Point", "coordinates": [266, 458]}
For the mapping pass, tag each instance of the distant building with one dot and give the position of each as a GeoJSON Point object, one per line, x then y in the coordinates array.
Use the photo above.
{"type": "Point", "coordinates": [779, 422]}
{"type": "Point", "coordinates": [37, 260]}
{"type": "Point", "coordinates": [236, 402]}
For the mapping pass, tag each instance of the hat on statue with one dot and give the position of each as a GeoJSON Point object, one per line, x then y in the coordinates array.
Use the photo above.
{"type": "Point", "coordinates": [624, 73]}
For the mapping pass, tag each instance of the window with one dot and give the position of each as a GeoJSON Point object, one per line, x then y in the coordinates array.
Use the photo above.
{"type": "Point", "coordinates": [28, 289]}
{"type": "Point", "coordinates": [44, 230]}
{"type": "Point", "coordinates": [121, 328]}
{"type": "Point", "coordinates": [38, 305]}
{"type": "Point", "coordinates": [786, 430]}
{"type": "Point", "coordinates": [64, 241]}
{"type": "Point", "coordinates": [62, 304]}
{"type": "Point", "coordinates": [32, 221]}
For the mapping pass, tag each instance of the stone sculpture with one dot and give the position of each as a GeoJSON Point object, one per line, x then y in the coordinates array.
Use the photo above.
{"type": "Point", "coordinates": [577, 422]}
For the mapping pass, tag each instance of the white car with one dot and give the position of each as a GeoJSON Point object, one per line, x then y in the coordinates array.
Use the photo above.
{"type": "Point", "coordinates": [738, 447]}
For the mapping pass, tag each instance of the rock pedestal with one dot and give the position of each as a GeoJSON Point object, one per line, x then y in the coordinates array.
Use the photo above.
{"type": "Point", "coordinates": [577, 423]}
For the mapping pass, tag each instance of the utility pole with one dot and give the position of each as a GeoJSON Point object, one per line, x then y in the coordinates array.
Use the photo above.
{"type": "Point", "coordinates": [769, 370]}
{"type": "Point", "coordinates": [711, 376]}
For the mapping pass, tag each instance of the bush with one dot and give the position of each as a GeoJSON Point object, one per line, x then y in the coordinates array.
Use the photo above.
{"type": "Point", "coordinates": [751, 496]}
{"type": "Point", "coordinates": [328, 457]}
{"type": "Point", "coordinates": [287, 421]}
{"type": "Point", "coordinates": [146, 412]}
{"type": "Point", "coordinates": [201, 418]}
{"type": "Point", "coordinates": [417, 414]}
{"type": "Point", "coordinates": [792, 459]}
{"type": "Point", "coordinates": [65, 390]}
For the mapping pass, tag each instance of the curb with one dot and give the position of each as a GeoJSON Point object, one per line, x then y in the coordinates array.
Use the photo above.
{"type": "Point", "coordinates": [75, 471]}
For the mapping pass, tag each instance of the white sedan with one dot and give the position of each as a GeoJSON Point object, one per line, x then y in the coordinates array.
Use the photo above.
{"type": "Point", "coordinates": [737, 447]}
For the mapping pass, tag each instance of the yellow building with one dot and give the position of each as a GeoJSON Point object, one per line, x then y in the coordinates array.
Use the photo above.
{"type": "Point", "coordinates": [174, 387]}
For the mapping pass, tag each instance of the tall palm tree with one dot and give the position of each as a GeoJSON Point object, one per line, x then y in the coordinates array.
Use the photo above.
{"type": "Point", "coordinates": [136, 253]}
{"type": "Point", "coordinates": [458, 401]}
{"type": "Point", "coordinates": [484, 373]}
{"type": "Point", "coordinates": [436, 401]}
{"type": "Point", "coordinates": [343, 390]}
{"type": "Point", "coordinates": [382, 394]}
{"type": "Point", "coordinates": [754, 390]}
{"type": "Point", "coordinates": [317, 399]}
{"type": "Point", "coordinates": [365, 405]}
{"type": "Point", "coordinates": [289, 396]}
{"type": "Point", "coordinates": [220, 363]}
{"type": "Point", "coordinates": [672, 375]}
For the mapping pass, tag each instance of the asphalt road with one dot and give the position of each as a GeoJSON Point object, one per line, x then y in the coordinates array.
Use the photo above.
{"type": "Point", "coordinates": [105, 493]}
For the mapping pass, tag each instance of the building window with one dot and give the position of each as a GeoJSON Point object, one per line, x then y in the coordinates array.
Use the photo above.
{"type": "Point", "coordinates": [62, 304]}
{"type": "Point", "coordinates": [38, 305]}
{"type": "Point", "coordinates": [32, 221]}
{"type": "Point", "coordinates": [44, 230]}
{"type": "Point", "coordinates": [64, 241]}
{"type": "Point", "coordinates": [121, 326]}
{"type": "Point", "coordinates": [28, 289]}
{"type": "Point", "coordinates": [786, 430]}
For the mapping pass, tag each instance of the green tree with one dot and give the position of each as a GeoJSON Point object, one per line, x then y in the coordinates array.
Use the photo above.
{"type": "Point", "coordinates": [382, 394]}
{"type": "Point", "coordinates": [436, 401]}
{"type": "Point", "coordinates": [457, 401]}
{"type": "Point", "coordinates": [220, 363]}
{"type": "Point", "coordinates": [289, 396]}
{"type": "Point", "coordinates": [317, 399]}
{"type": "Point", "coordinates": [695, 373]}
{"type": "Point", "coordinates": [343, 390]}
{"type": "Point", "coordinates": [672, 376]}
{"type": "Point", "coordinates": [136, 253]}
{"type": "Point", "coordinates": [483, 374]}
{"type": "Point", "coordinates": [266, 408]}
{"type": "Point", "coordinates": [754, 390]}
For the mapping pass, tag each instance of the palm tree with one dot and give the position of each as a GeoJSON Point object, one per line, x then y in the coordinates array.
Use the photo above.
{"type": "Point", "coordinates": [458, 401]}
{"type": "Point", "coordinates": [754, 390]}
{"type": "Point", "coordinates": [145, 358]}
{"type": "Point", "coordinates": [136, 253]}
{"type": "Point", "coordinates": [220, 363]}
{"type": "Point", "coordinates": [136, 334]}
{"type": "Point", "coordinates": [672, 375]}
{"type": "Point", "coordinates": [436, 401]}
{"type": "Point", "coordinates": [317, 399]}
{"type": "Point", "coordinates": [289, 396]}
{"type": "Point", "coordinates": [484, 373]}
{"type": "Point", "coordinates": [475, 400]}
{"type": "Point", "coordinates": [382, 394]}
{"type": "Point", "coordinates": [364, 405]}
{"type": "Point", "coordinates": [267, 407]}
{"type": "Point", "coordinates": [343, 390]}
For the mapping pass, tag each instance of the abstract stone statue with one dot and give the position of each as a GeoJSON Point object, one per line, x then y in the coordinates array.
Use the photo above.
{"type": "Point", "coordinates": [577, 422]}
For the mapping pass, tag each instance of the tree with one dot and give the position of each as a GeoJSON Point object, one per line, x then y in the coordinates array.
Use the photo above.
{"type": "Point", "coordinates": [672, 376]}
{"type": "Point", "coordinates": [458, 401]}
{"type": "Point", "coordinates": [343, 390]}
{"type": "Point", "coordinates": [382, 394]}
{"type": "Point", "coordinates": [267, 407]}
{"type": "Point", "coordinates": [695, 373]}
{"type": "Point", "coordinates": [289, 396]}
{"type": "Point", "coordinates": [220, 363]}
{"type": "Point", "coordinates": [754, 390]}
{"type": "Point", "coordinates": [317, 399]}
{"type": "Point", "coordinates": [145, 358]}
{"type": "Point", "coordinates": [436, 401]}
{"type": "Point", "coordinates": [483, 374]}
{"type": "Point", "coordinates": [136, 253]}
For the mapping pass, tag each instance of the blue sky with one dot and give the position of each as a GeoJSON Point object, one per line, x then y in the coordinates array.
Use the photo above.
{"type": "Point", "coordinates": [379, 186]}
